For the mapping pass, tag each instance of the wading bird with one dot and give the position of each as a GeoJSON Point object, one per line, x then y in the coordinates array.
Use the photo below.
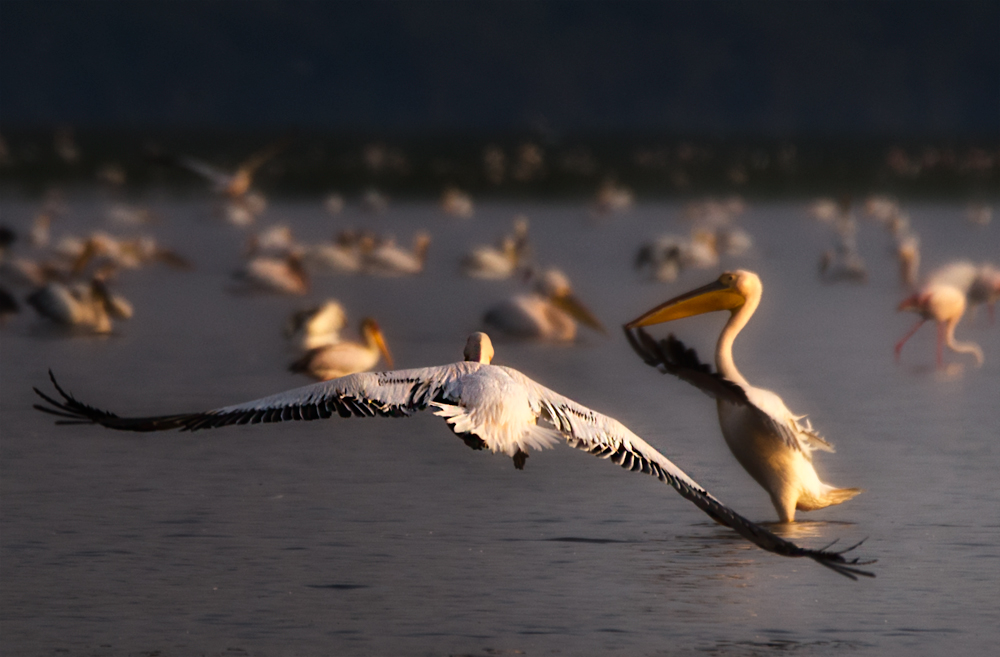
{"type": "Point", "coordinates": [764, 436]}
{"type": "Point", "coordinates": [488, 406]}
{"type": "Point", "coordinates": [945, 304]}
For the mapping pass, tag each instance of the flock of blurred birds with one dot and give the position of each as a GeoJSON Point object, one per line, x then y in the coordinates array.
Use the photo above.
{"type": "Point", "coordinates": [67, 281]}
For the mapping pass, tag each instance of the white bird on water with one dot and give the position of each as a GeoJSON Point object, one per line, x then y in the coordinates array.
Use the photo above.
{"type": "Point", "coordinates": [551, 312]}
{"type": "Point", "coordinates": [488, 406]}
{"type": "Point", "coordinates": [80, 306]}
{"type": "Point", "coordinates": [764, 436]}
{"type": "Point", "coordinates": [333, 360]}
{"type": "Point", "coordinates": [389, 259]}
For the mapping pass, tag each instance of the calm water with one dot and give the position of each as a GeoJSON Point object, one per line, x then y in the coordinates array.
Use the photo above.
{"type": "Point", "coordinates": [364, 537]}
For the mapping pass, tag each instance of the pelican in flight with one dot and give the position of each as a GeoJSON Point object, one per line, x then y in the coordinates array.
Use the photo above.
{"type": "Point", "coordinates": [771, 443]}
{"type": "Point", "coordinates": [338, 359]}
{"type": "Point", "coordinates": [549, 313]}
{"type": "Point", "coordinates": [488, 406]}
{"type": "Point", "coordinates": [233, 185]}
{"type": "Point", "coordinates": [945, 304]}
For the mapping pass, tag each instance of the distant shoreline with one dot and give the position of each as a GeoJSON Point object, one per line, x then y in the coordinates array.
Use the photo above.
{"type": "Point", "coordinates": [512, 165]}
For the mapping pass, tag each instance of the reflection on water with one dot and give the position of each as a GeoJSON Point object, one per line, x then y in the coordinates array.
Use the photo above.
{"type": "Point", "coordinates": [390, 537]}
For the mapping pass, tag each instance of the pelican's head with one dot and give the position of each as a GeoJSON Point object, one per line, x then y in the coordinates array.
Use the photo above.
{"type": "Point", "coordinates": [479, 348]}
{"type": "Point", "coordinates": [373, 335]}
{"type": "Point", "coordinates": [730, 292]}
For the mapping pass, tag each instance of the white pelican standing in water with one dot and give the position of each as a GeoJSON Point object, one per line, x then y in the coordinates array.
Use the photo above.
{"type": "Point", "coordinates": [764, 436]}
{"type": "Point", "coordinates": [550, 313]}
{"type": "Point", "coordinates": [488, 406]}
{"type": "Point", "coordinates": [337, 359]}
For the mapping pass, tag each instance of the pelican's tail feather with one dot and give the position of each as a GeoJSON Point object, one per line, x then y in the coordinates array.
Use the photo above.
{"type": "Point", "coordinates": [828, 497]}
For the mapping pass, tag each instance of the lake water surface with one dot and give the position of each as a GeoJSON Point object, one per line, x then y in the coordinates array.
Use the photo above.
{"type": "Point", "coordinates": [390, 537]}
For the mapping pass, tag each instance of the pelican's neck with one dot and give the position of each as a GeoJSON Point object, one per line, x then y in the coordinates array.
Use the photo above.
{"type": "Point", "coordinates": [724, 349]}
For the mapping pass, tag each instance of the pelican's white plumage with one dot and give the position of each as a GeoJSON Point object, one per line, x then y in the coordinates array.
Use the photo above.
{"type": "Point", "coordinates": [768, 440]}
{"type": "Point", "coordinates": [489, 406]}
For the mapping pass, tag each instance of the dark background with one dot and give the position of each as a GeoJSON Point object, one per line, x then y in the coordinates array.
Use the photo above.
{"type": "Point", "coordinates": [845, 82]}
{"type": "Point", "coordinates": [765, 68]}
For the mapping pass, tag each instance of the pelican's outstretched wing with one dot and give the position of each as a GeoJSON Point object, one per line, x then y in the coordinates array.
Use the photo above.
{"type": "Point", "coordinates": [671, 356]}
{"type": "Point", "coordinates": [608, 438]}
{"type": "Point", "coordinates": [402, 392]}
{"type": "Point", "coordinates": [397, 393]}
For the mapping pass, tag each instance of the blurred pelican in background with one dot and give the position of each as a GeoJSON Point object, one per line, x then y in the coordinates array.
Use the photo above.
{"type": "Point", "coordinates": [770, 442]}
{"type": "Point", "coordinates": [550, 312]}
{"type": "Point", "coordinates": [503, 260]}
{"type": "Point", "coordinates": [665, 257]}
{"type": "Point", "coordinates": [331, 361]}
{"type": "Point", "coordinates": [345, 254]}
{"type": "Point", "coordinates": [843, 262]}
{"type": "Point", "coordinates": [316, 326]}
{"type": "Point", "coordinates": [612, 198]}
{"type": "Point", "coordinates": [456, 203]}
{"type": "Point", "coordinates": [88, 307]}
{"type": "Point", "coordinates": [944, 304]}
{"type": "Point", "coordinates": [278, 274]}
{"type": "Point", "coordinates": [389, 259]}
{"type": "Point", "coordinates": [273, 240]}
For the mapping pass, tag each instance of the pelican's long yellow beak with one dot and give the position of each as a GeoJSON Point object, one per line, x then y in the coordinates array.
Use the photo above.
{"type": "Point", "coordinates": [718, 295]}
{"type": "Point", "coordinates": [374, 333]}
{"type": "Point", "coordinates": [572, 306]}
